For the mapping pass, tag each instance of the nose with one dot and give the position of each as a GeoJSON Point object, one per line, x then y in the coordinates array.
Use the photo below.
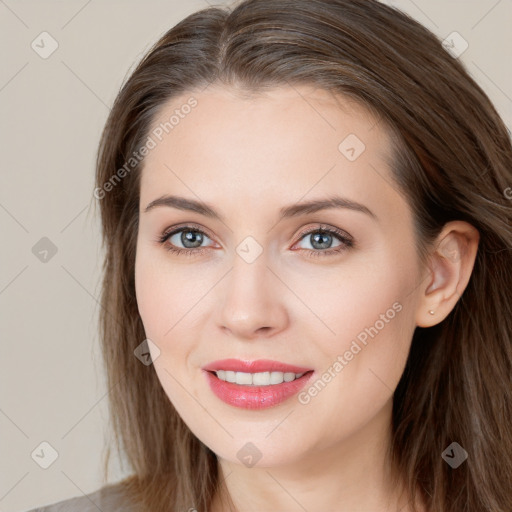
{"type": "Point", "coordinates": [252, 300]}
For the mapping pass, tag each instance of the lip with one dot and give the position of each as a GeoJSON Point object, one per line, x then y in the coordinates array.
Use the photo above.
{"type": "Point", "coordinates": [260, 365]}
{"type": "Point", "coordinates": [255, 397]}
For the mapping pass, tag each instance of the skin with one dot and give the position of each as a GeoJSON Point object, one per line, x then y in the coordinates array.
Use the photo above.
{"type": "Point", "coordinates": [248, 157]}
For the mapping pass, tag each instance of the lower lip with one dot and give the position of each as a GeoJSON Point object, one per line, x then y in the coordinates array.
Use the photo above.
{"type": "Point", "coordinates": [255, 397]}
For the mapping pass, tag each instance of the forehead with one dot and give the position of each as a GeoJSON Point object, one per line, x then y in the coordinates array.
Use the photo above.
{"type": "Point", "coordinates": [294, 139]}
{"type": "Point", "coordinates": [275, 118]}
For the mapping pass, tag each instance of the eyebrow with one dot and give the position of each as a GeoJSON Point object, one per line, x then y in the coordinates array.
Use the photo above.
{"type": "Point", "coordinates": [294, 210]}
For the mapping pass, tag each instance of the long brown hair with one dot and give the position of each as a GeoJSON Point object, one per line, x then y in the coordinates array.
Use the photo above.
{"type": "Point", "coordinates": [452, 160]}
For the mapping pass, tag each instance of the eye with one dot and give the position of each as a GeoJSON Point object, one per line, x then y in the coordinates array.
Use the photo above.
{"type": "Point", "coordinates": [190, 237]}
{"type": "Point", "coordinates": [321, 240]}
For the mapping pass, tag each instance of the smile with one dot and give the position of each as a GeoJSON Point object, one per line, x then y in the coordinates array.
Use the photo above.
{"type": "Point", "coordinates": [255, 389]}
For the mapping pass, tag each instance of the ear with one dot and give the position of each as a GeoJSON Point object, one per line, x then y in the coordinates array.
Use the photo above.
{"type": "Point", "coordinates": [449, 268]}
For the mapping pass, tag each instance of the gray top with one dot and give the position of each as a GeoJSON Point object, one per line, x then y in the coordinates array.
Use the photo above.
{"type": "Point", "coordinates": [109, 498]}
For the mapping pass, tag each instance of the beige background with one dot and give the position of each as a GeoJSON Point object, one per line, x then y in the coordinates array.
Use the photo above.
{"type": "Point", "coordinates": [52, 110]}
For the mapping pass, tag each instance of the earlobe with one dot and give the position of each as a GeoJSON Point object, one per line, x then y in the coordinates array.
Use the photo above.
{"type": "Point", "coordinates": [450, 265]}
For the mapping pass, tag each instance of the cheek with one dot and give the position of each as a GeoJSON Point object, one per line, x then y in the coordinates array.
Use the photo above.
{"type": "Point", "coordinates": [371, 312]}
{"type": "Point", "coordinates": [164, 295]}
{"type": "Point", "coordinates": [160, 303]}
{"type": "Point", "coordinates": [367, 293]}
{"type": "Point", "coordinates": [150, 302]}
{"type": "Point", "coordinates": [170, 303]}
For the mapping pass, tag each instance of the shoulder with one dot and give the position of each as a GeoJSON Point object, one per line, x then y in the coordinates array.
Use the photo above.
{"type": "Point", "coordinates": [110, 498]}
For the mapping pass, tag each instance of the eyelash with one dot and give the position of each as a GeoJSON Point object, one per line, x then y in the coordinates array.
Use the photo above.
{"type": "Point", "coordinates": [346, 241]}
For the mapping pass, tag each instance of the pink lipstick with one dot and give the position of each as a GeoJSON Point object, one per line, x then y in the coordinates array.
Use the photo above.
{"type": "Point", "coordinates": [255, 384]}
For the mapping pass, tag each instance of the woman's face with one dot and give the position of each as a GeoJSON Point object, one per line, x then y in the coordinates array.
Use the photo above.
{"type": "Point", "coordinates": [256, 280]}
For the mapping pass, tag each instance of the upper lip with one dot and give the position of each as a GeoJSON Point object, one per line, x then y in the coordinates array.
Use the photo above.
{"type": "Point", "coordinates": [260, 365]}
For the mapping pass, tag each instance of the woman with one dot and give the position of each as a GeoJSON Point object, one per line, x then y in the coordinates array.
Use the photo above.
{"type": "Point", "coordinates": [308, 276]}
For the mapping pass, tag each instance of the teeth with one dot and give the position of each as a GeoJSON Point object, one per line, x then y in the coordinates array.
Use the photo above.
{"type": "Point", "coordinates": [257, 379]}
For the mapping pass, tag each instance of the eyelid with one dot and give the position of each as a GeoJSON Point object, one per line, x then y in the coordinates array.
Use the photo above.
{"type": "Point", "coordinates": [325, 228]}
{"type": "Point", "coordinates": [188, 226]}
